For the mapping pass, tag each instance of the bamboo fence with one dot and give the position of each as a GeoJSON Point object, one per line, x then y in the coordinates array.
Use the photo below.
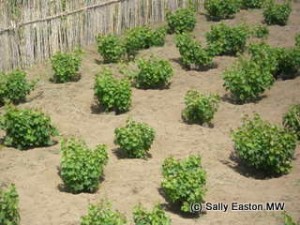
{"type": "Point", "coordinates": [33, 30]}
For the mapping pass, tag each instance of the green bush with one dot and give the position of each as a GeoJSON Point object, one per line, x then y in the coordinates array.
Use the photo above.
{"type": "Point", "coordinates": [101, 214]}
{"type": "Point", "coordinates": [260, 31]}
{"type": "Point", "coordinates": [66, 66]}
{"type": "Point", "coordinates": [136, 39]}
{"type": "Point", "coordinates": [199, 108]}
{"type": "Point", "coordinates": [27, 128]}
{"type": "Point", "coordinates": [135, 139]}
{"type": "Point", "coordinates": [110, 47]}
{"type": "Point", "coordinates": [288, 62]}
{"type": "Point", "coordinates": [153, 73]}
{"type": "Point", "coordinates": [221, 9]}
{"type": "Point", "coordinates": [111, 93]}
{"type": "Point", "coordinates": [14, 87]}
{"type": "Point", "coordinates": [277, 13]}
{"type": "Point", "coordinates": [193, 55]}
{"type": "Point", "coordinates": [264, 146]}
{"type": "Point", "coordinates": [227, 40]}
{"type": "Point", "coordinates": [283, 62]}
{"type": "Point", "coordinates": [155, 217]}
{"type": "Point", "coordinates": [81, 168]}
{"type": "Point", "coordinates": [247, 79]}
{"type": "Point", "coordinates": [291, 120]}
{"type": "Point", "coordinates": [297, 40]}
{"type": "Point", "coordinates": [9, 206]}
{"type": "Point", "coordinates": [182, 20]}
{"type": "Point", "coordinates": [143, 37]}
{"type": "Point", "coordinates": [252, 4]}
{"type": "Point", "coordinates": [159, 36]}
{"type": "Point", "coordinates": [264, 55]}
{"type": "Point", "coordinates": [288, 220]}
{"type": "Point", "coordinates": [184, 181]}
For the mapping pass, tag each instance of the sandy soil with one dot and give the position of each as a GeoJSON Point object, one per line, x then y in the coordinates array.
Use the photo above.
{"type": "Point", "coordinates": [128, 181]}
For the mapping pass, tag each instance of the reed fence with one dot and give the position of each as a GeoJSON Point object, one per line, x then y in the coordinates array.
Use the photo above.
{"type": "Point", "coordinates": [33, 30]}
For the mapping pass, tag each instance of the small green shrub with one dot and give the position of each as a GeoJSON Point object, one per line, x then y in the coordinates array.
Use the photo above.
{"type": "Point", "coordinates": [184, 181]}
{"type": "Point", "coordinates": [199, 108]}
{"type": "Point", "coordinates": [27, 128]}
{"type": "Point", "coordinates": [103, 214]}
{"type": "Point", "coordinates": [221, 9]}
{"type": "Point", "coordinates": [9, 206]}
{"type": "Point", "coordinates": [288, 220]}
{"type": "Point", "coordinates": [135, 139]}
{"type": "Point", "coordinates": [136, 39]}
{"type": "Point", "coordinates": [193, 55]}
{"type": "Point", "coordinates": [264, 146]}
{"type": "Point", "coordinates": [291, 120]}
{"type": "Point", "coordinates": [66, 66]}
{"type": "Point", "coordinates": [155, 217]}
{"type": "Point", "coordinates": [288, 62]}
{"type": "Point", "coordinates": [111, 93]}
{"type": "Point", "coordinates": [110, 47]}
{"type": "Point", "coordinates": [277, 13]}
{"type": "Point", "coordinates": [182, 20]}
{"type": "Point", "coordinates": [227, 40]}
{"type": "Point", "coordinates": [247, 79]}
{"type": "Point", "coordinates": [260, 31]}
{"type": "Point", "coordinates": [264, 55]}
{"type": "Point", "coordinates": [283, 62]}
{"type": "Point", "coordinates": [153, 73]}
{"type": "Point", "coordinates": [297, 40]}
{"type": "Point", "coordinates": [81, 168]}
{"type": "Point", "coordinates": [143, 37]}
{"type": "Point", "coordinates": [14, 87]}
{"type": "Point", "coordinates": [159, 36]}
{"type": "Point", "coordinates": [252, 4]}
